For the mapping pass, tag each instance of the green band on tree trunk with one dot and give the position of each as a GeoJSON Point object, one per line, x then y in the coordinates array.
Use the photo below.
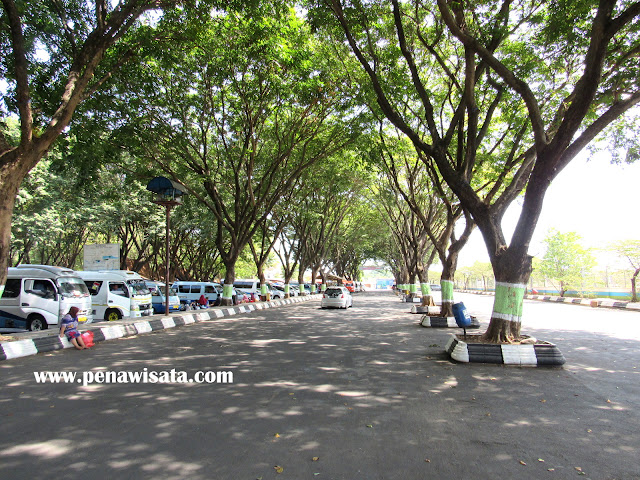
{"type": "Point", "coordinates": [447, 291]}
{"type": "Point", "coordinates": [1, 290]}
{"type": "Point", "coordinates": [287, 289]}
{"type": "Point", "coordinates": [227, 291]}
{"type": "Point", "coordinates": [425, 288]}
{"type": "Point", "coordinates": [414, 288]}
{"type": "Point", "coordinates": [323, 287]}
{"type": "Point", "coordinates": [507, 304]}
{"type": "Point", "coordinates": [263, 289]}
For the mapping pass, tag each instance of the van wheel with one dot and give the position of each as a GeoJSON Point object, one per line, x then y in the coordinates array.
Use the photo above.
{"type": "Point", "coordinates": [112, 315]}
{"type": "Point", "coordinates": [36, 323]}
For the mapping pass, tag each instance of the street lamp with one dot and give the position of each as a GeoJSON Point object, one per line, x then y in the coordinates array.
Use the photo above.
{"type": "Point", "coordinates": [169, 194]}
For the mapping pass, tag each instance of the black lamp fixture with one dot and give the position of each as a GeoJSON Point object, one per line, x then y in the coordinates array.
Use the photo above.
{"type": "Point", "coordinates": [168, 194]}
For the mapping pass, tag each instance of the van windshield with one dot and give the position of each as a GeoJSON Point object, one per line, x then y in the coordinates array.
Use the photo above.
{"type": "Point", "coordinates": [160, 289]}
{"type": "Point", "coordinates": [72, 287]}
{"type": "Point", "coordinates": [138, 287]}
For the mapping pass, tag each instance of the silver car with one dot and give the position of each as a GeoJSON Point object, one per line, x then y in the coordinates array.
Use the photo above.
{"type": "Point", "coordinates": [336, 297]}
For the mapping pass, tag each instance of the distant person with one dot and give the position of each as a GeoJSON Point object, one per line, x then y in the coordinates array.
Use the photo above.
{"type": "Point", "coordinates": [69, 327]}
{"type": "Point", "coordinates": [203, 301]}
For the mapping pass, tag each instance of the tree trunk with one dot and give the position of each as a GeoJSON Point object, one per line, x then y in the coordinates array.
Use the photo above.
{"type": "Point", "coordinates": [634, 293]}
{"type": "Point", "coordinates": [512, 273]}
{"type": "Point", "coordinates": [446, 282]}
{"type": "Point", "coordinates": [263, 284]}
{"type": "Point", "coordinates": [8, 194]}
{"type": "Point", "coordinates": [229, 278]}
{"type": "Point", "coordinates": [13, 169]}
{"type": "Point", "coordinates": [323, 277]}
{"type": "Point", "coordinates": [287, 282]}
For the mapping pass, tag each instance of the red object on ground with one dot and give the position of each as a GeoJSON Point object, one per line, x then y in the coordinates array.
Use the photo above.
{"type": "Point", "coordinates": [87, 337]}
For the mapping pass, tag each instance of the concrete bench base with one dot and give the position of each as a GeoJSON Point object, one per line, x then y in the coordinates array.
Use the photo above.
{"type": "Point", "coordinates": [445, 322]}
{"type": "Point", "coordinates": [540, 354]}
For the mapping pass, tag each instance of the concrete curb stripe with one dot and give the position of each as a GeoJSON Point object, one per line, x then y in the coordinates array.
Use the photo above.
{"type": "Point", "coordinates": [142, 327]}
{"type": "Point", "coordinates": [178, 321]}
{"type": "Point", "coordinates": [156, 325]}
{"type": "Point", "coordinates": [594, 302]}
{"type": "Point", "coordinates": [112, 332]}
{"type": "Point", "coordinates": [188, 319]}
{"type": "Point", "coordinates": [168, 322]}
{"type": "Point", "coordinates": [53, 342]}
{"type": "Point", "coordinates": [20, 348]}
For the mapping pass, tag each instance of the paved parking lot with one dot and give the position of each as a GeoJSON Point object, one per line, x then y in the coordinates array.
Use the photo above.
{"type": "Point", "coordinates": [359, 394]}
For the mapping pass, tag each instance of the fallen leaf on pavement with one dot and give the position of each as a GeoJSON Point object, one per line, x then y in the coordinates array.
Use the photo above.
{"type": "Point", "coordinates": [278, 469]}
{"type": "Point", "coordinates": [522, 463]}
{"type": "Point", "coordinates": [315, 459]}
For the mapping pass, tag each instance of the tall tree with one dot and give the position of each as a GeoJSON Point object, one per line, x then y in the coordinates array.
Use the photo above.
{"type": "Point", "coordinates": [630, 251]}
{"type": "Point", "coordinates": [422, 188]}
{"type": "Point", "coordinates": [241, 106]}
{"type": "Point", "coordinates": [523, 86]}
{"type": "Point", "coordinates": [323, 208]}
{"type": "Point", "coordinates": [53, 57]}
{"type": "Point", "coordinates": [565, 260]}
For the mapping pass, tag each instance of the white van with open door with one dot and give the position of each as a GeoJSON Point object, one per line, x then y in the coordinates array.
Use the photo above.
{"type": "Point", "coordinates": [38, 296]}
{"type": "Point", "coordinates": [117, 294]}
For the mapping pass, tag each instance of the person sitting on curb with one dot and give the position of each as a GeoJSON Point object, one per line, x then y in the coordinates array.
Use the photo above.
{"type": "Point", "coordinates": [69, 327]}
{"type": "Point", "coordinates": [203, 301]}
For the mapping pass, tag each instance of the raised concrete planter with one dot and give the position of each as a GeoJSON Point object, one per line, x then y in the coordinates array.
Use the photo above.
{"type": "Point", "coordinates": [425, 309]}
{"type": "Point", "coordinates": [445, 322]}
{"type": "Point", "coordinates": [538, 354]}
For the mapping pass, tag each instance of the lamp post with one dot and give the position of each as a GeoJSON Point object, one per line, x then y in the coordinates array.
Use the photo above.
{"type": "Point", "coordinates": [168, 194]}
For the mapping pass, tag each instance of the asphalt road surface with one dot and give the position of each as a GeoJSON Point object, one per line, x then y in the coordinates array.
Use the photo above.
{"type": "Point", "coordinates": [331, 394]}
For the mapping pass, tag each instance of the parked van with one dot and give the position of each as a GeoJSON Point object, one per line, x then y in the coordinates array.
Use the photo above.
{"type": "Point", "coordinates": [36, 296]}
{"type": "Point", "coordinates": [117, 294]}
{"type": "Point", "coordinates": [191, 291]}
{"type": "Point", "coordinates": [157, 290]}
{"type": "Point", "coordinates": [252, 287]}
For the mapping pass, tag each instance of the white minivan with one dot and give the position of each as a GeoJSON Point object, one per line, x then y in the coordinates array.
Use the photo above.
{"type": "Point", "coordinates": [36, 296]}
{"type": "Point", "coordinates": [252, 287]}
{"type": "Point", "coordinates": [117, 294]}
{"type": "Point", "coordinates": [190, 292]}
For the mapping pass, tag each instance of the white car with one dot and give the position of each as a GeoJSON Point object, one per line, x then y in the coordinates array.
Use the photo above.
{"type": "Point", "coordinates": [336, 297]}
